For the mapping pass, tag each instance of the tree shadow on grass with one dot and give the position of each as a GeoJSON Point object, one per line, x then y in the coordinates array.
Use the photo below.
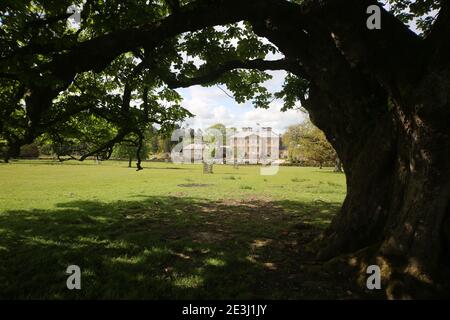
{"type": "Point", "coordinates": [168, 248]}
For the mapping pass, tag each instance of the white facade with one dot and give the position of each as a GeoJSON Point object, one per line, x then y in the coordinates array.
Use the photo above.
{"type": "Point", "coordinates": [254, 147]}
{"type": "Point", "coordinates": [243, 147]}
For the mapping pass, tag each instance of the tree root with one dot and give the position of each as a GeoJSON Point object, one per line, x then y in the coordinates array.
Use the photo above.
{"type": "Point", "coordinates": [400, 278]}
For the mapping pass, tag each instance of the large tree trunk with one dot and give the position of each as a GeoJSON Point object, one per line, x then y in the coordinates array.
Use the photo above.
{"type": "Point", "coordinates": [396, 213]}
{"type": "Point", "coordinates": [393, 141]}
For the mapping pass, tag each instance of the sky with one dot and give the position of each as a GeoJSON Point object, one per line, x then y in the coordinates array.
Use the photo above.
{"type": "Point", "coordinates": [211, 105]}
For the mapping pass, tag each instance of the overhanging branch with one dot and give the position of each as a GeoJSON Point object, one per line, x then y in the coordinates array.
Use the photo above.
{"type": "Point", "coordinates": [214, 73]}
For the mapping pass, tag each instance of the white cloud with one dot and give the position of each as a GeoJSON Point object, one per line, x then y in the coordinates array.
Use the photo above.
{"type": "Point", "coordinates": [273, 117]}
{"type": "Point", "coordinates": [206, 105]}
{"type": "Point", "coordinates": [211, 106]}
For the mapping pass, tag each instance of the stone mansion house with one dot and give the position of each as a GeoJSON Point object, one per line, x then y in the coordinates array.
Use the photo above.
{"type": "Point", "coordinates": [243, 147]}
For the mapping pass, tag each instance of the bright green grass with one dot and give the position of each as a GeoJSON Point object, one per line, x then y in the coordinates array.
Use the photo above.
{"type": "Point", "coordinates": [41, 185]}
{"type": "Point", "coordinates": [168, 231]}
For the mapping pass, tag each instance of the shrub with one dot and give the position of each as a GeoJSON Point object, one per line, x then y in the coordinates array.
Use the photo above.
{"type": "Point", "coordinates": [29, 151]}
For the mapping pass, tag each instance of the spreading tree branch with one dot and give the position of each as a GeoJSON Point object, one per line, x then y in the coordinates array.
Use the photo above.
{"type": "Point", "coordinates": [216, 72]}
{"type": "Point", "coordinates": [174, 5]}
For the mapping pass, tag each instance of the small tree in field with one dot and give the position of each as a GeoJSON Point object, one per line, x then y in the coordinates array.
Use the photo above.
{"type": "Point", "coordinates": [217, 146]}
{"type": "Point", "coordinates": [129, 151]}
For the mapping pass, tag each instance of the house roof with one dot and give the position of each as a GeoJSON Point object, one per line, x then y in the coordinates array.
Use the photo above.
{"type": "Point", "coordinates": [261, 134]}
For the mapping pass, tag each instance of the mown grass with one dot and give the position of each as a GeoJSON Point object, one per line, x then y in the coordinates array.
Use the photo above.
{"type": "Point", "coordinates": [168, 232]}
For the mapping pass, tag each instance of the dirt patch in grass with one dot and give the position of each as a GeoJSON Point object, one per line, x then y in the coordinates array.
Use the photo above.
{"type": "Point", "coordinates": [208, 237]}
{"type": "Point", "coordinates": [194, 185]}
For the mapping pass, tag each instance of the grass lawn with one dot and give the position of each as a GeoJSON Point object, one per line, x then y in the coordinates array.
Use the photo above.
{"type": "Point", "coordinates": [167, 232]}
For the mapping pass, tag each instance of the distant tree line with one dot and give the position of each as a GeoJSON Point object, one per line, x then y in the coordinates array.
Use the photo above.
{"type": "Point", "coordinates": [155, 144]}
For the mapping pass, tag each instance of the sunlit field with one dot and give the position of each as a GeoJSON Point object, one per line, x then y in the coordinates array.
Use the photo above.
{"type": "Point", "coordinates": [167, 232]}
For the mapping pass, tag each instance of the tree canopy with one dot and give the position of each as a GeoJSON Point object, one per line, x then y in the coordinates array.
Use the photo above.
{"type": "Point", "coordinates": [56, 75]}
{"type": "Point", "coordinates": [120, 63]}
{"type": "Point", "coordinates": [307, 143]}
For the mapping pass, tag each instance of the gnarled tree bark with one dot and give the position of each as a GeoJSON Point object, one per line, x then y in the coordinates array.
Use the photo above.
{"type": "Point", "coordinates": [387, 122]}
